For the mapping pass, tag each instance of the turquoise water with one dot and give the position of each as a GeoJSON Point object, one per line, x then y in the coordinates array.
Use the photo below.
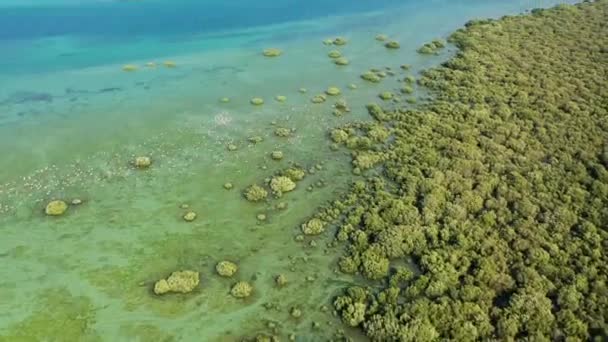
{"type": "Point", "coordinates": [71, 122]}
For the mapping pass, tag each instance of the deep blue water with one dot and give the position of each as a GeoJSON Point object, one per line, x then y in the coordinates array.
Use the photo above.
{"type": "Point", "coordinates": [140, 18]}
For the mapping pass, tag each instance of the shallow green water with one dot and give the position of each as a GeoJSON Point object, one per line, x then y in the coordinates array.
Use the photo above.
{"type": "Point", "coordinates": [88, 275]}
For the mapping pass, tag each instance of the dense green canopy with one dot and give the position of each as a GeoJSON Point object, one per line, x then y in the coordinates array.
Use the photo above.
{"type": "Point", "coordinates": [486, 215]}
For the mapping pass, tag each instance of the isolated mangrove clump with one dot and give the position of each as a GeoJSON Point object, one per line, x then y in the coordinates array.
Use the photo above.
{"type": "Point", "coordinates": [170, 64]}
{"type": "Point", "coordinates": [381, 37]}
{"type": "Point", "coordinates": [386, 95]}
{"type": "Point", "coordinates": [334, 54]}
{"type": "Point", "coordinates": [295, 312]}
{"type": "Point", "coordinates": [282, 132]}
{"type": "Point", "coordinates": [341, 107]}
{"type": "Point", "coordinates": [256, 139]}
{"type": "Point", "coordinates": [142, 162]}
{"type": "Point", "coordinates": [226, 268]}
{"type": "Point", "coordinates": [317, 99]}
{"type": "Point", "coordinates": [407, 89]}
{"type": "Point", "coordinates": [281, 98]}
{"type": "Point", "coordinates": [371, 76]}
{"type": "Point", "coordinates": [314, 226]}
{"type": "Point", "coordinates": [130, 67]}
{"type": "Point", "coordinates": [280, 280]}
{"type": "Point", "coordinates": [432, 48]}
{"type": "Point", "coordinates": [341, 61]}
{"type": "Point", "coordinates": [487, 217]}
{"type": "Point", "coordinates": [333, 91]}
{"type": "Point", "coordinates": [257, 101]}
{"type": "Point", "coordinates": [56, 208]}
{"type": "Point", "coordinates": [294, 173]}
{"type": "Point", "coordinates": [339, 41]}
{"type": "Point", "coordinates": [392, 45]}
{"type": "Point", "coordinates": [272, 52]}
{"type": "Point", "coordinates": [282, 184]}
{"type": "Point", "coordinates": [255, 193]}
{"type": "Point", "coordinates": [177, 282]}
{"type": "Point", "coordinates": [276, 155]}
{"type": "Point", "coordinates": [242, 289]}
{"type": "Point", "coordinates": [189, 216]}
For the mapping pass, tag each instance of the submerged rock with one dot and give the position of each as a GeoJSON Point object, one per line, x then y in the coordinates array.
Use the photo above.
{"type": "Point", "coordinates": [56, 208]}
{"type": "Point", "coordinates": [177, 282]}
{"type": "Point", "coordinates": [381, 37]}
